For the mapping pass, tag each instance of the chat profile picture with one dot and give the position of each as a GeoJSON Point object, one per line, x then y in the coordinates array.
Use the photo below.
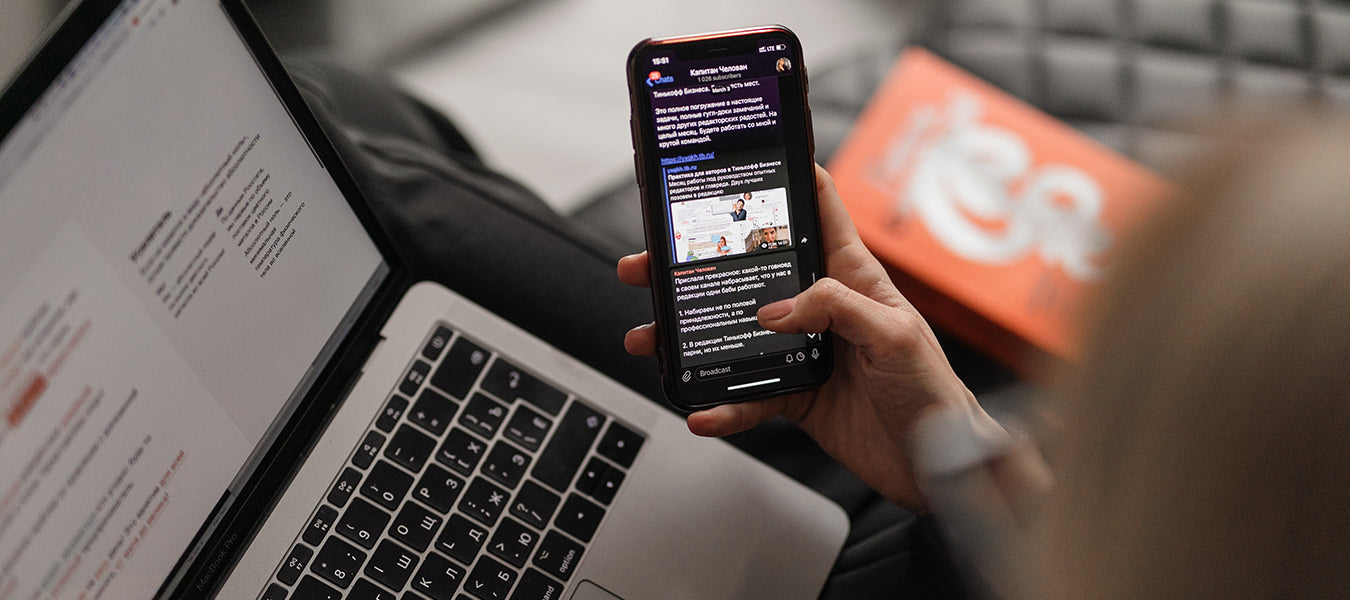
{"type": "Point", "coordinates": [784, 65]}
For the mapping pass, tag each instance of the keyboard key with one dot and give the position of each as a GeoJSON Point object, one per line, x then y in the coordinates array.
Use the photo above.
{"type": "Point", "coordinates": [620, 445]}
{"type": "Point", "coordinates": [461, 367]}
{"type": "Point", "coordinates": [412, 380]}
{"type": "Point", "coordinates": [362, 523]}
{"type": "Point", "coordinates": [438, 488]}
{"type": "Point", "coordinates": [338, 562]}
{"type": "Point", "coordinates": [589, 479]}
{"type": "Point", "coordinates": [433, 411]}
{"type": "Point", "coordinates": [274, 592]}
{"type": "Point", "coordinates": [365, 590]}
{"type": "Point", "coordinates": [391, 565]}
{"type": "Point", "coordinates": [505, 464]}
{"type": "Point", "coordinates": [534, 504]}
{"type": "Point", "coordinates": [386, 485]}
{"type": "Point", "coordinates": [609, 486]}
{"type": "Point", "coordinates": [535, 586]}
{"type": "Point", "coordinates": [295, 564]}
{"type": "Point", "coordinates": [461, 539]}
{"type": "Point", "coordinates": [415, 526]}
{"type": "Point", "coordinates": [438, 578]}
{"type": "Point", "coordinates": [490, 580]}
{"type": "Point", "coordinates": [513, 542]}
{"type": "Point", "coordinates": [319, 525]}
{"type": "Point", "coordinates": [343, 488]}
{"type": "Point", "coordinates": [579, 517]}
{"type": "Point", "coordinates": [439, 339]}
{"type": "Point", "coordinates": [484, 501]}
{"type": "Point", "coordinates": [557, 555]}
{"type": "Point", "coordinates": [559, 462]}
{"type": "Point", "coordinates": [368, 450]}
{"type": "Point", "coordinates": [527, 428]}
{"type": "Point", "coordinates": [483, 415]}
{"type": "Point", "coordinates": [511, 383]}
{"type": "Point", "coordinates": [393, 411]}
{"type": "Point", "coordinates": [461, 451]}
{"type": "Point", "coordinates": [410, 448]}
{"type": "Point", "coordinates": [313, 589]}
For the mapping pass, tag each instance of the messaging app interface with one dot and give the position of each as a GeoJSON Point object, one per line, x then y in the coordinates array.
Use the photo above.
{"type": "Point", "coordinates": [720, 144]}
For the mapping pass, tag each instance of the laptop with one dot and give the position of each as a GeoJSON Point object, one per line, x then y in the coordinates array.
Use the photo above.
{"type": "Point", "coordinates": [216, 379]}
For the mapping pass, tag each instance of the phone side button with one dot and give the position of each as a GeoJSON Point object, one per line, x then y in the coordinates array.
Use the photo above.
{"type": "Point", "coordinates": [810, 132]}
{"type": "Point", "coordinates": [637, 169]}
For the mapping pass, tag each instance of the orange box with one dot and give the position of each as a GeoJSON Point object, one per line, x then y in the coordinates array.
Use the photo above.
{"type": "Point", "coordinates": [992, 216]}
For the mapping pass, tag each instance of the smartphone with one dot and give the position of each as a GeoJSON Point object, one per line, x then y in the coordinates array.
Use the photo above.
{"type": "Point", "coordinates": [725, 162]}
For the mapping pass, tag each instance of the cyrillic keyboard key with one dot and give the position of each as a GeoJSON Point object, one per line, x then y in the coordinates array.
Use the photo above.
{"type": "Point", "coordinates": [338, 562]}
{"type": "Point", "coordinates": [319, 525]}
{"type": "Point", "coordinates": [386, 485]}
{"type": "Point", "coordinates": [527, 428]}
{"type": "Point", "coordinates": [579, 517]}
{"type": "Point", "coordinates": [438, 578]}
{"type": "Point", "coordinates": [536, 586]}
{"type": "Point", "coordinates": [295, 564]}
{"type": "Point", "coordinates": [363, 523]}
{"type": "Point", "coordinates": [557, 555]}
{"type": "Point", "coordinates": [490, 580]}
{"type": "Point", "coordinates": [410, 448]}
{"type": "Point", "coordinates": [437, 343]}
{"type": "Point", "coordinates": [415, 526]}
{"type": "Point", "coordinates": [620, 445]}
{"type": "Point", "coordinates": [571, 442]}
{"type": "Point", "coordinates": [534, 504]}
{"type": "Point", "coordinates": [438, 488]}
{"type": "Point", "coordinates": [511, 383]}
{"type": "Point", "coordinates": [365, 590]}
{"type": "Point", "coordinates": [483, 415]}
{"type": "Point", "coordinates": [461, 367]}
{"type": "Point", "coordinates": [461, 451]}
{"type": "Point", "coordinates": [461, 539]}
{"type": "Point", "coordinates": [433, 411]}
{"type": "Point", "coordinates": [484, 501]}
{"type": "Point", "coordinates": [513, 542]}
{"type": "Point", "coordinates": [412, 380]}
{"type": "Point", "coordinates": [506, 464]}
{"type": "Point", "coordinates": [391, 564]}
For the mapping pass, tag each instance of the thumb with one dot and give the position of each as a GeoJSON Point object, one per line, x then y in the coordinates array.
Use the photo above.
{"type": "Point", "coordinates": [831, 305]}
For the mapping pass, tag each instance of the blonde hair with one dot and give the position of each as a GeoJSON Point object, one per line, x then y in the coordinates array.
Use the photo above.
{"type": "Point", "coordinates": [1205, 447]}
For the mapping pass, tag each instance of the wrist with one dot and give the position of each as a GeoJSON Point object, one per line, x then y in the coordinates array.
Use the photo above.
{"type": "Point", "coordinates": [956, 437]}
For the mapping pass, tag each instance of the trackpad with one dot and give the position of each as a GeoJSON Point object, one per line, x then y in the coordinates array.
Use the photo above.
{"type": "Point", "coordinates": [590, 591]}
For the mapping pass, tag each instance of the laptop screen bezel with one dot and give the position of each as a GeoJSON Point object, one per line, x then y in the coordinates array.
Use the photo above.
{"type": "Point", "coordinates": [217, 544]}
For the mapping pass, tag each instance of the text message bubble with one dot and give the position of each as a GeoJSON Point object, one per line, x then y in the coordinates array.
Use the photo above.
{"type": "Point", "coordinates": [715, 307]}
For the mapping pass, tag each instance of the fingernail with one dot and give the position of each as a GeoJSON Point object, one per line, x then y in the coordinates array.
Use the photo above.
{"type": "Point", "coordinates": [777, 310]}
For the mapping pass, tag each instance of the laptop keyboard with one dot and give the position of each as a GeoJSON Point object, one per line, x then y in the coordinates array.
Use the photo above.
{"type": "Point", "coordinates": [478, 480]}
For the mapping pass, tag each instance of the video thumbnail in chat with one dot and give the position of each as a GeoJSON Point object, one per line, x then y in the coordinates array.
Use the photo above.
{"type": "Point", "coordinates": [730, 225]}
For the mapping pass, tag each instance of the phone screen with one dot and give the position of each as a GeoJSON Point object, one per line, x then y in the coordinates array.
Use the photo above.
{"type": "Point", "coordinates": [725, 158]}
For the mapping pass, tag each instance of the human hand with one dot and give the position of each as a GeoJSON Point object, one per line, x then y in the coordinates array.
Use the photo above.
{"type": "Point", "coordinates": [889, 367]}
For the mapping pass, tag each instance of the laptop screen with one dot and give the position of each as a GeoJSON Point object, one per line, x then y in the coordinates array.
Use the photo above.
{"type": "Point", "coordinates": [175, 264]}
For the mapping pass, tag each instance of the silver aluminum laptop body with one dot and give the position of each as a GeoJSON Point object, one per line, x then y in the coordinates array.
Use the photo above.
{"type": "Point", "coordinates": [195, 460]}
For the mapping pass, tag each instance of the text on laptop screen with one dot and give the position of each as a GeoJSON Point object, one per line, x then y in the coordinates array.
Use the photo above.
{"type": "Point", "coordinates": [175, 258]}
